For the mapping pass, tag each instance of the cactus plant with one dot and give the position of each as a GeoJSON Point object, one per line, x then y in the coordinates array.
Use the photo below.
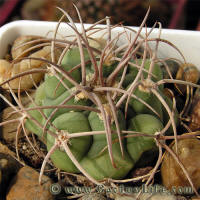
{"type": "Point", "coordinates": [82, 107]}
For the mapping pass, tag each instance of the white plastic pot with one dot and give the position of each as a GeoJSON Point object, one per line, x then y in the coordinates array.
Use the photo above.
{"type": "Point", "coordinates": [188, 42]}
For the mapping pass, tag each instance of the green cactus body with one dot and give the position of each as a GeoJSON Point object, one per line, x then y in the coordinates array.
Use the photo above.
{"type": "Point", "coordinates": [53, 86]}
{"type": "Point", "coordinates": [101, 167]}
{"type": "Point", "coordinates": [97, 125]}
{"type": "Point", "coordinates": [157, 72]}
{"type": "Point", "coordinates": [31, 125]}
{"type": "Point", "coordinates": [72, 57]}
{"type": "Point", "coordinates": [59, 100]}
{"type": "Point", "coordinates": [97, 162]}
{"type": "Point", "coordinates": [72, 122]}
{"type": "Point", "coordinates": [109, 68]}
{"type": "Point", "coordinates": [141, 93]}
{"type": "Point", "coordinates": [92, 151]}
{"type": "Point", "coordinates": [143, 123]}
{"type": "Point", "coordinates": [40, 94]}
{"type": "Point", "coordinates": [150, 99]}
{"type": "Point", "coordinates": [129, 78]}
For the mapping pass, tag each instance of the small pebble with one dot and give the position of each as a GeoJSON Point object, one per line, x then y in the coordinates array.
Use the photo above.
{"type": "Point", "coordinates": [25, 186]}
{"type": "Point", "coordinates": [9, 130]}
{"type": "Point", "coordinates": [24, 147]}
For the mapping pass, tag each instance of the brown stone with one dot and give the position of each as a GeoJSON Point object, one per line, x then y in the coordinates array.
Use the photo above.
{"type": "Point", "coordinates": [26, 186]}
{"type": "Point", "coordinates": [8, 168]}
{"type": "Point", "coordinates": [8, 163]}
{"type": "Point", "coordinates": [9, 131]}
{"type": "Point", "coordinates": [188, 154]}
{"type": "Point", "coordinates": [4, 149]}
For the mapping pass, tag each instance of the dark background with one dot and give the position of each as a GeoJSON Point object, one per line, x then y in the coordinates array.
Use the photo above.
{"type": "Point", "coordinates": [178, 14]}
